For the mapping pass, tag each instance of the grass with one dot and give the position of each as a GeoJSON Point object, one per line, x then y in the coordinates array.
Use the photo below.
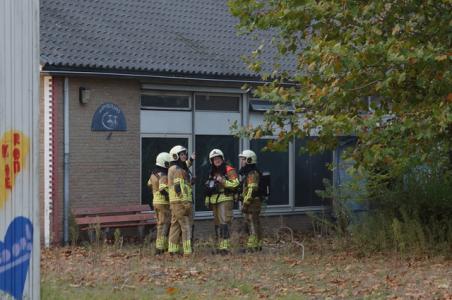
{"type": "Point", "coordinates": [132, 272]}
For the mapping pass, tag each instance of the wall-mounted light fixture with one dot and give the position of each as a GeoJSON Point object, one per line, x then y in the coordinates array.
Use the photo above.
{"type": "Point", "coordinates": [83, 95]}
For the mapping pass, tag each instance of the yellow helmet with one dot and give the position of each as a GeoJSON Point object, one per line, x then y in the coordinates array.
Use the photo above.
{"type": "Point", "coordinates": [163, 159]}
{"type": "Point", "coordinates": [174, 152]}
{"type": "Point", "coordinates": [249, 156]}
{"type": "Point", "coordinates": [215, 153]}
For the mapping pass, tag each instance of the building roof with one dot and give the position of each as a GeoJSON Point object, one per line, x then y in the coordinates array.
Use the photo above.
{"type": "Point", "coordinates": [196, 37]}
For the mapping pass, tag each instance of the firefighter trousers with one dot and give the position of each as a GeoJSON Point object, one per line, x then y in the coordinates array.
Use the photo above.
{"type": "Point", "coordinates": [252, 217]}
{"type": "Point", "coordinates": [163, 214]}
{"type": "Point", "coordinates": [222, 213]}
{"type": "Point", "coordinates": [181, 227]}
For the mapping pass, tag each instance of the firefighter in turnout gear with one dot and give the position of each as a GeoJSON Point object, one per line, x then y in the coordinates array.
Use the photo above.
{"type": "Point", "coordinates": [158, 182]}
{"type": "Point", "coordinates": [220, 188]}
{"type": "Point", "coordinates": [180, 198]}
{"type": "Point", "coordinates": [251, 207]}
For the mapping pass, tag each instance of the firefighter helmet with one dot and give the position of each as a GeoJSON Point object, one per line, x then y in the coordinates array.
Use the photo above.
{"type": "Point", "coordinates": [163, 159]}
{"type": "Point", "coordinates": [215, 153]}
{"type": "Point", "coordinates": [249, 156]}
{"type": "Point", "coordinates": [175, 151]}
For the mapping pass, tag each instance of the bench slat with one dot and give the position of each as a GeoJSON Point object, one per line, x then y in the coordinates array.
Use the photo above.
{"type": "Point", "coordinates": [114, 219]}
{"type": "Point", "coordinates": [117, 225]}
{"type": "Point", "coordinates": [78, 212]}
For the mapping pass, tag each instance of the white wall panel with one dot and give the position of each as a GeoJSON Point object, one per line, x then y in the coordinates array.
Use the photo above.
{"type": "Point", "coordinates": [211, 122]}
{"type": "Point", "coordinates": [164, 122]}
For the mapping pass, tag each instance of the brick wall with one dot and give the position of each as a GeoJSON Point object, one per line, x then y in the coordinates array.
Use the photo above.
{"type": "Point", "coordinates": [104, 166]}
{"type": "Point", "coordinates": [56, 223]}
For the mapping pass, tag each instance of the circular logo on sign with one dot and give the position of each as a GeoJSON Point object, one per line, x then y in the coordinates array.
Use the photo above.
{"type": "Point", "coordinates": [108, 117]}
{"type": "Point", "coordinates": [109, 120]}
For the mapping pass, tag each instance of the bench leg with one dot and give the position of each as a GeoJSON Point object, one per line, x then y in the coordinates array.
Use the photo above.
{"type": "Point", "coordinates": [91, 235]}
{"type": "Point", "coordinates": [106, 233]}
{"type": "Point", "coordinates": [141, 232]}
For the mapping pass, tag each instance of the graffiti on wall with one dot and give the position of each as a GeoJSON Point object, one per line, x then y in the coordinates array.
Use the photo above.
{"type": "Point", "coordinates": [108, 117]}
{"type": "Point", "coordinates": [17, 245]}
{"type": "Point", "coordinates": [14, 147]}
{"type": "Point", "coordinates": [15, 254]}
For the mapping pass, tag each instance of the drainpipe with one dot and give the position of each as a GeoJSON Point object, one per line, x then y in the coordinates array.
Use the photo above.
{"type": "Point", "coordinates": [66, 162]}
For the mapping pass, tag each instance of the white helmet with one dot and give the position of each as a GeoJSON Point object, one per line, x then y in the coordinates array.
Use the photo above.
{"type": "Point", "coordinates": [174, 152]}
{"type": "Point", "coordinates": [163, 159]}
{"type": "Point", "coordinates": [215, 153]}
{"type": "Point", "coordinates": [249, 156]}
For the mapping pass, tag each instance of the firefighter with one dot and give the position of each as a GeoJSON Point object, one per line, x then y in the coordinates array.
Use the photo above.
{"type": "Point", "coordinates": [251, 198]}
{"type": "Point", "coordinates": [180, 198]}
{"type": "Point", "coordinates": [220, 188]}
{"type": "Point", "coordinates": [158, 182]}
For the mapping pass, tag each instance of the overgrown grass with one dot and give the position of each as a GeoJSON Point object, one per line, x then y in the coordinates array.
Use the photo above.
{"type": "Point", "coordinates": [410, 217]}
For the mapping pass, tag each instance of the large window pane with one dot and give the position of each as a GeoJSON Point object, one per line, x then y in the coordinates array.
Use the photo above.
{"type": "Point", "coordinates": [310, 170]}
{"type": "Point", "coordinates": [217, 102]}
{"type": "Point", "coordinates": [150, 148]}
{"type": "Point", "coordinates": [277, 163]}
{"type": "Point", "coordinates": [204, 144]}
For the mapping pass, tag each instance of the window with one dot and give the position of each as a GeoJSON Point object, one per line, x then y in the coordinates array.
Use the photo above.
{"type": "Point", "coordinates": [217, 102]}
{"type": "Point", "coordinates": [277, 163]}
{"type": "Point", "coordinates": [310, 170]}
{"type": "Point", "coordinates": [204, 144]}
{"type": "Point", "coordinates": [150, 148]}
{"type": "Point", "coordinates": [258, 105]}
{"type": "Point", "coordinates": [165, 100]}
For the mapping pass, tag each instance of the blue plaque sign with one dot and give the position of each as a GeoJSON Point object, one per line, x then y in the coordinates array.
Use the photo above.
{"type": "Point", "coordinates": [108, 117]}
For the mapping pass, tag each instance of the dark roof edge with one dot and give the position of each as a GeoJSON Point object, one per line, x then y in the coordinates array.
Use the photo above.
{"type": "Point", "coordinates": [161, 76]}
{"type": "Point", "coordinates": [80, 71]}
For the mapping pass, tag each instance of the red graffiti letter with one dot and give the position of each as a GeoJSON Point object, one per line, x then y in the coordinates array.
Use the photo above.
{"type": "Point", "coordinates": [16, 166]}
{"type": "Point", "coordinates": [16, 154]}
{"type": "Point", "coordinates": [16, 139]}
{"type": "Point", "coordinates": [4, 150]}
{"type": "Point", "coordinates": [8, 183]}
{"type": "Point", "coordinates": [7, 178]}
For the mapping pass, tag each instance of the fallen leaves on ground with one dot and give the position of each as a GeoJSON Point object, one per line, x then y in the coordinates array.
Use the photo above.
{"type": "Point", "coordinates": [271, 273]}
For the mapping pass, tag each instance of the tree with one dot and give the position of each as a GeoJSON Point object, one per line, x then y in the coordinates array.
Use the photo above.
{"type": "Point", "coordinates": [395, 53]}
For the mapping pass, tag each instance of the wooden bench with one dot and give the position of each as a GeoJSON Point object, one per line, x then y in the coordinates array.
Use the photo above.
{"type": "Point", "coordinates": [114, 217]}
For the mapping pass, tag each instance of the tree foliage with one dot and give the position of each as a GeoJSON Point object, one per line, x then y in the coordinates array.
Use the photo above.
{"type": "Point", "coordinates": [395, 53]}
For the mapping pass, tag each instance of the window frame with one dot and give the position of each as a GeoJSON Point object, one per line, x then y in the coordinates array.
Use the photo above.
{"type": "Point", "coordinates": [239, 96]}
{"type": "Point", "coordinates": [167, 93]}
{"type": "Point", "coordinates": [281, 207]}
{"type": "Point", "coordinates": [245, 112]}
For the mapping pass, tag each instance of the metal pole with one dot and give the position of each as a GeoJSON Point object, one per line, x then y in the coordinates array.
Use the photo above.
{"type": "Point", "coordinates": [66, 162]}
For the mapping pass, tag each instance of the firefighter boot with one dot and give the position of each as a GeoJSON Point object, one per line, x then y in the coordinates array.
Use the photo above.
{"type": "Point", "coordinates": [225, 244]}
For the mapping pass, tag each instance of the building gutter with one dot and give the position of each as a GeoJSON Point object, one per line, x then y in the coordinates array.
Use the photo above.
{"type": "Point", "coordinates": [156, 77]}
{"type": "Point", "coordinates": [66, 162]}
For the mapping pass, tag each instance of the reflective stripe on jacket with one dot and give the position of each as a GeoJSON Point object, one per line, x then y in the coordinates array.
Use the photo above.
{"type": "Point", "coordinates": [159, 184]}
{"type": "Point", "coordinates": [179, 184]}
{"type": "Point", "coordinates": [230, 183]}
{"type": "Point", "coordinates": [250, 186]}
